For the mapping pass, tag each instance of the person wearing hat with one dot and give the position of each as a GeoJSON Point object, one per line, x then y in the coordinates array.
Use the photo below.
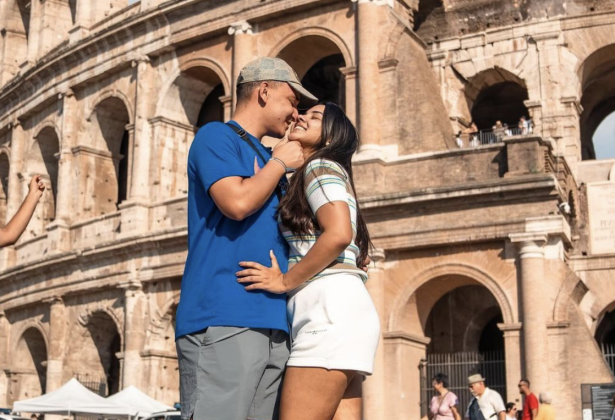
{"type": "Point", "coordinates": [487, 403]}
{"type": "Point", "coordinates": [232, 344]}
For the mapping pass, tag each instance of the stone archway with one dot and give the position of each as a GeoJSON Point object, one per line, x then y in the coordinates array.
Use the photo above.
{"type": "Point", "coordinates": [597, 75]}
{"type": "Point", "coordinates": [96, 363]}
{"type": "Point", "coordinates": [318, 61]}
{"type": "Point", "coordinates": [42, 159]}
{"type": "Point", "coordinates": [496, 95]}
{"type": "Point", "coordinates": [29, 366]}
{"type": "Point", "coordinates": [408, 327]}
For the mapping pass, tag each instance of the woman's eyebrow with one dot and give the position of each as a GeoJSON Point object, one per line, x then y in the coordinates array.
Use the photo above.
{"type": "Point", "coordinates": [317, 112]}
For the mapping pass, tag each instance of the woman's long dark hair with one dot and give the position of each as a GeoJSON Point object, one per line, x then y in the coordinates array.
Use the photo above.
{"type": "Point", "coordinates": [339, 140]}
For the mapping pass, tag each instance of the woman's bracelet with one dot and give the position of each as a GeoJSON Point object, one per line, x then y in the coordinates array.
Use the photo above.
{"type": "Point", "coordinates": [280, 161]}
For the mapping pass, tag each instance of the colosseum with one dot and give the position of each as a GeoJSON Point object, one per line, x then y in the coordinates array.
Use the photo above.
{"type": "Point", "coordinates": [495, 244]}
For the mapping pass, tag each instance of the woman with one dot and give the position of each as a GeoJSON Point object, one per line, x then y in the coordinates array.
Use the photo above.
{"type": "Point", "coordinates": [335, 327]}
{"type": "Point", "coordinates": [511, 411]}
{"type": "Point", "coordinates": [444, 405]}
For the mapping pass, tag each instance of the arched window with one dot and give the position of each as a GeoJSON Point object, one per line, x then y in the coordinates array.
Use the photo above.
{"type": "Point", "coordinates": [500, 102]}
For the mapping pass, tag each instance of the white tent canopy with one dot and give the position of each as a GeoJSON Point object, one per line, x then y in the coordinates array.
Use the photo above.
{"type": "Point", "coordinates": [71, 398]}
{"type": "Point", "coordinates": [137, 402]}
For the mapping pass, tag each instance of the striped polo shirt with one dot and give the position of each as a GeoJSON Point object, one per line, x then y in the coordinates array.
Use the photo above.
{"type": "Point", "coordinates": [326, 181]}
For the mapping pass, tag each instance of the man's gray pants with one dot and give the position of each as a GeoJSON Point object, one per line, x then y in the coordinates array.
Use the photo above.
{"type": "Point", "coordinates": [230, 373]}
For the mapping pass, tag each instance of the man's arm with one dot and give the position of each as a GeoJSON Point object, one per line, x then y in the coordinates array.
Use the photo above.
{"type": "Point", "coordinates": [13, 229]}
{"type": "Point", "coordinates": [238, 198]}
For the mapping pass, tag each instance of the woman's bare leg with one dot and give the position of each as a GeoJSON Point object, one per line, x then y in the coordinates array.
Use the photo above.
{"type": "Point", "coordinates": [351, 406]}
{"type": "Point", "coordinates": [313, 393]}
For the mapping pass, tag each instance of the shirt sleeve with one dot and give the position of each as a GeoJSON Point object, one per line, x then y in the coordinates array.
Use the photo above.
{"type": "Point", "coordinates": [214, 155]}
{"type": "Point", "coordinates": [533, 402]}
{"type": "Point", "coordinates": [497, 402]}
{"type": "Point", "coordinates": [325, 182]}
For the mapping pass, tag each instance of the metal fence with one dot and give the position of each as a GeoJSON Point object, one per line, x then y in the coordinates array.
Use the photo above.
{"type": "Point", "coordinates": [458, 366]}
{"type": "Point", "coordinates": [482, 137]}
{"type": "Point", "coordinates": [608, 352]}
{"type": "Point", "coordinates": [94, 383]}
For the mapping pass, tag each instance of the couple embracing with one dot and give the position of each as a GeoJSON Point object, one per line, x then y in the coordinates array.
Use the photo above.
{"type": "Point", "coordinates": [273, 287]}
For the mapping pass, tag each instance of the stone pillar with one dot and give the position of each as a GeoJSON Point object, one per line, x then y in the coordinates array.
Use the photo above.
{"type": "Point", "coordinates": [18, 145]}
{"type": "Point", "coordinates": [59, 229]}
{"type": "Point", "coordinates": [374, 388]}
{"type": "Point", "coordinates": [227, 105]}
{"type": "Point", "coordinates": [533, 311]}
{"type": "Point", "coordinates": [368, 34]}
{"type": "Point", "coordinates": [4, 358]}
{"type": "Point", "coordinates": [560, 386]}
{"type": "Point", "coordinates": [84, 17]}
{"type": "Point", "coordinates": [243, 51]}
{"type": "Point", "coordinates": [56, 21]}
{"type": "Point", "coordinates": [135, 211]}
{"type": "Point", "coordinates": [350, 84]}
{"type": "Point", "coordinates": [144, 110]}
{"type": "Point", "coordinates": [512, 348]}
{"type": "Point", "coordinates": [134, 333]}
{"type": "Point", "coordinates": [34, 33]}
{"type": "Point", "coordinates": [58, 326]}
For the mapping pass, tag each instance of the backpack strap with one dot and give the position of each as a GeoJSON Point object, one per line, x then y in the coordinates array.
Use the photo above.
{"type": "Point", "coordinates": [244, 136]}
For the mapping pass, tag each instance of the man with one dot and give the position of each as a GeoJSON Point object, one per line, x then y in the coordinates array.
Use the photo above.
{"type": "Point", "coordinates": [487, 404]}
{"type": "Point", "coordinates": [10, 233]}
{"type": "Point", "coordinates": [530, 406]}
{"type": "Point", "coordinates": [232, 344]}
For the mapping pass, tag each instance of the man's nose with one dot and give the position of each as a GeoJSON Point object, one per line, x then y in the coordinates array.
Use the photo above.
{"type": "Point", "coordinates": [296, 115]}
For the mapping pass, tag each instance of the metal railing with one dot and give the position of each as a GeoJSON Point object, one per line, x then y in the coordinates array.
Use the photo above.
{"type": "Point", "coordinates": [608, 352]}
{"type": "Point", "coordinates": [94, 383]}
{"type": "Point", "coordinates": [482, 137]}
{"type": "Point", "coordinates": [458, 366]}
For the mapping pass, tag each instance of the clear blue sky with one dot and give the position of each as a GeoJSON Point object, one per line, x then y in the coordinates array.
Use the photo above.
{"type": "Point", "coordinates": [604, 138]}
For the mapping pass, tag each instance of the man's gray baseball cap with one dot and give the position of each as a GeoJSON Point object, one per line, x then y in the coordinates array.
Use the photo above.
{"type": "Point", "coordinates": [276, 69]}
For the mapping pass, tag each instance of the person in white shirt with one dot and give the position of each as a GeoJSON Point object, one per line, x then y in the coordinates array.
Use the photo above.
{"type": "Point", "coordinates": [511, 411]}
{"type": "Point", "coordinates": [487, 404]}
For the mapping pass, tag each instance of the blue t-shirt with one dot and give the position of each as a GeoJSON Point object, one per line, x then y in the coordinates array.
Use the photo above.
{"type": "Point", "coordinates": [210, 293]}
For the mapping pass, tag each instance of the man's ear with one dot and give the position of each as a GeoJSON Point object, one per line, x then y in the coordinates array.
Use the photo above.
{"type": "Point", "coordinates": [263, 92]}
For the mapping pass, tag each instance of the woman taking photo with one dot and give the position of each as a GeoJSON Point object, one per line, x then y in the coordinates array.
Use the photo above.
{"type": "Point", "coordinates": [335, 327]}
{"type": "Point", "coordinates": [443, 406]}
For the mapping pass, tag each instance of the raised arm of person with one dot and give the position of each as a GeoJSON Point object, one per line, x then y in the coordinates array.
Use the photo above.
{"type": "Point", "coordinates": [16, 226]}
{"type": "Point", "coordinates": [239, 197]}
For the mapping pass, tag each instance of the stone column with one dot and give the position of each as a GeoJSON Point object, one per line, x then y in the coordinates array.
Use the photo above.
{"type": "Point", "coordinates": [34, 33]}
{"type": "Point", "coordinates": [368, 34]}
{"type": "Point", "coordinates": [135, 211]}
{"type": "Point", "coordinates": [534, 332]}
{"type": "Point", "coordinates": [350, 84]}
{"type": "Point", "coordinates": [227, 104]}
{"type": "Point", "coordinates": [58, 326]}
{"type": "Point", "coordinates": [18, 145]}
{"type": "Point", "coordinates": [59, 229]}
{"type": "Point", "coordinates": [374, 403]}
{"type": "Point", "coordinates": [4, 358]}
{"type": "Point", "coordinates": [560, 386]}
{"type": "Point", "coordinates": [134, 333]}
{"type": "Point", "coordinates": [243, 51]}
{"type": "Point", "coordinates": [512, 347]}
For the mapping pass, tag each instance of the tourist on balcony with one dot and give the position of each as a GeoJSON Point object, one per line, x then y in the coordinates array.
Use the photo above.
{"type": "Point", "coordinates": [458, 140]}
{"type": "Point", "coordinates": [443, 406]}
{"type": "Point", "coordinates": [498, 132]}
{"type": "Point", "coordinates": [530, 406]}
{"type": "Point", "coordinates": [473, 135]}
{"type": "Point", "coordinates": [507, 130]}
{"type": "Point", "coordinates": [334, 324]}
{"type": "Point", "coordinates": [233, 344]}
{"type": "Point", "coordinates": [525, 126]}
{"type": "Point", "coordinates": [11, 232]}
{"type": "Point", "coordinates": [487, 403]}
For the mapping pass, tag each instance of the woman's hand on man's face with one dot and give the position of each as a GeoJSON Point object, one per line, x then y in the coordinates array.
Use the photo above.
{"type": "Point", "coordinates": [259, 277]}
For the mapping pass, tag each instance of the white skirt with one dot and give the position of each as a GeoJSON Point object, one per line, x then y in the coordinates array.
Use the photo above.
{"type": "Point", "coordinates": [334, 324]}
